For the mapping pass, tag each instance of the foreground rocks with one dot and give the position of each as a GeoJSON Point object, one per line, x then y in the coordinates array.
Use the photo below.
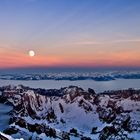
{"type": "Point", "coordinates": [72, 112]}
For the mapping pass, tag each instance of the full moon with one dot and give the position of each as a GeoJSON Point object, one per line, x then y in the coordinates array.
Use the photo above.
{"type": "Point", "coordinates": [31, 53]}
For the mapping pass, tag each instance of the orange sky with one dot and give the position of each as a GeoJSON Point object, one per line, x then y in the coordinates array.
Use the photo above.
{"type": "Point", "coordinates": [84, 54]}
{"type": "Point", "coordinates": [69, 33]}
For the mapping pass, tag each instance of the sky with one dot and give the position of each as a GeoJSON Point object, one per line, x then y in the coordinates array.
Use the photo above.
{"type": "Point", "coordinates": [69, 33]}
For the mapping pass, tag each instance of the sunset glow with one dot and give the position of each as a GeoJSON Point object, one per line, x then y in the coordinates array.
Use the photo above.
{"type": "Point", "coordinates": [72, 33]}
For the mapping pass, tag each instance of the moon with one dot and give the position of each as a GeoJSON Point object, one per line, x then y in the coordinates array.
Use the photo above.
{"type": "Point", "coordinates": [31, 53]}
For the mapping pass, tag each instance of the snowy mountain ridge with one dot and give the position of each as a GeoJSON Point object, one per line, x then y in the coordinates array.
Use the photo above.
{"type": "Point", "coordinates": [72, 114]}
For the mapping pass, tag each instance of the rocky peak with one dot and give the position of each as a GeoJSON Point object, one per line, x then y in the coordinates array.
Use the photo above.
{"type": "Point", "coordinates": [110, 112]}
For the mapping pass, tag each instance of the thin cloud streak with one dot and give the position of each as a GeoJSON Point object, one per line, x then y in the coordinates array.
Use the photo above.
{"type": "Point", "coordinates": [90, 42]}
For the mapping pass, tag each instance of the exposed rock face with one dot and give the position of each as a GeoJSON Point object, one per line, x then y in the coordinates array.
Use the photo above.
{"type": "Point", "coordinates": [7, 137]}
{"type": "Point", "coordinates": [106, 132]}
{"type": "Point", "coordinates": [3, 138]}
{"type": "Point", "coordinates": [73, 112]}
{"type": "Point", "coordinates": [11, 130]}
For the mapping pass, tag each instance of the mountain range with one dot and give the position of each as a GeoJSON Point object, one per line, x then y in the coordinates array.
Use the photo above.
{"type": "Point", "coordinates": [72, 113]}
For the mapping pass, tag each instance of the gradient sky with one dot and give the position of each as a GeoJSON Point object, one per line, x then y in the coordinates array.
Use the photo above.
{"type": "Point", "coordinates": [77, 33]}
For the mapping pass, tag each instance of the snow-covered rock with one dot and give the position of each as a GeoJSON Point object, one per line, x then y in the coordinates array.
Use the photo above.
{"type": "Point", "coordinates": [7, 137]}
{"type": "Point", "coordinates": [72, 112]}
